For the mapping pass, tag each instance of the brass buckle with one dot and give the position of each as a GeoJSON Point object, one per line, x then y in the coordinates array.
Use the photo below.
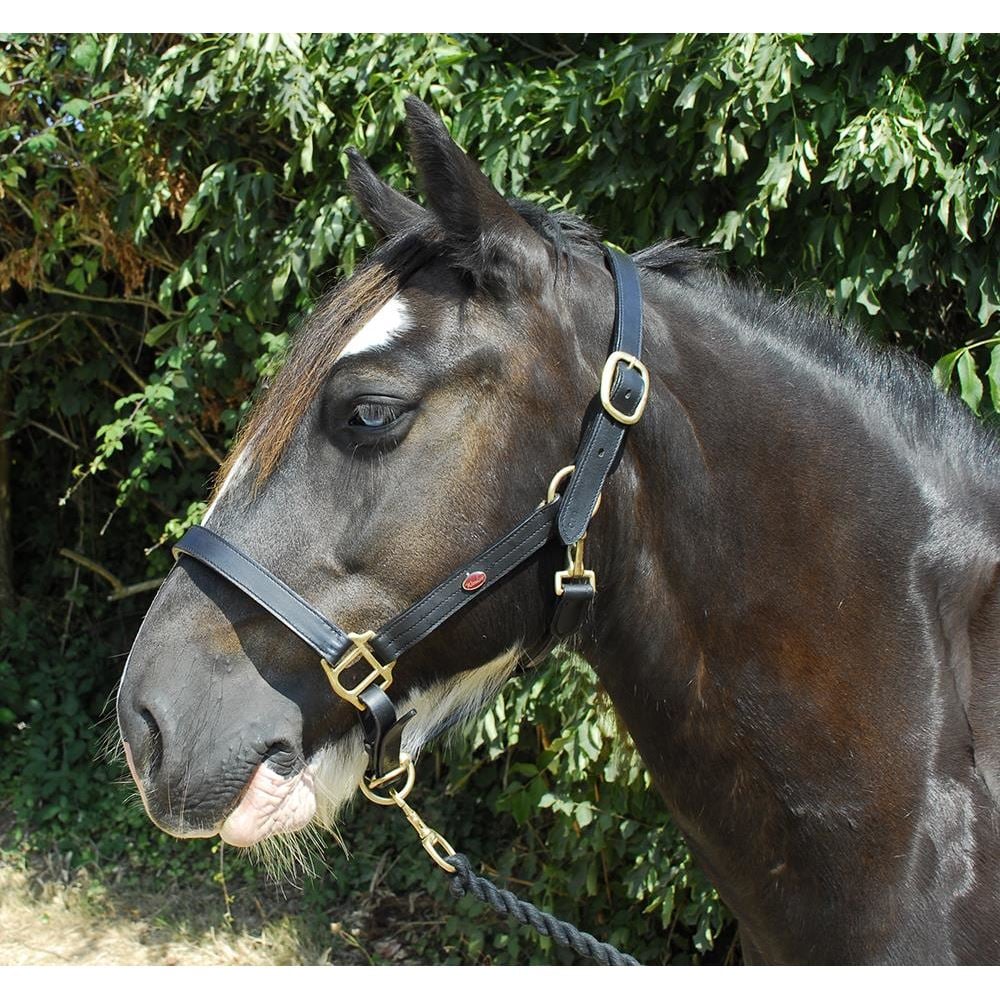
{"type": "Point", "coordinates": [608, 376]}
{"type": "Point", "coordinates": [575, 570]}
{"type": "Point", "coordinates": [381, 673]}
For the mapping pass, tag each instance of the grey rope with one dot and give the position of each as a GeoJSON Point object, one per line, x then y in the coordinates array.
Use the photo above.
{"type": "Point", "coordinates": [509, 905]}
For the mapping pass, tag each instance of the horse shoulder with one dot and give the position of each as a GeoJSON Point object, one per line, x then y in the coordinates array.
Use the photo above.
{"type": "Point", "coordinates": [982, 685]}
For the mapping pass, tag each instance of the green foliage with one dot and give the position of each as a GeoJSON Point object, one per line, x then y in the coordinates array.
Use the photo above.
{"type": "Point", "coordinates": [171, 205]}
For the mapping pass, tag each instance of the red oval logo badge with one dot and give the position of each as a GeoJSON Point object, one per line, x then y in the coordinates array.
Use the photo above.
{"type": "Point", "coordinates": [473, 581]}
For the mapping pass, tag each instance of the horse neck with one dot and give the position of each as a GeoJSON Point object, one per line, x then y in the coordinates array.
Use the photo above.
{"type": "Point", "coordinates": [778, 673]}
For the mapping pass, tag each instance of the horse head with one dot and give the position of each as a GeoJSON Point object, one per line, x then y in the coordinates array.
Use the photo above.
{"type": "Point", "coordinates": [423, 409]}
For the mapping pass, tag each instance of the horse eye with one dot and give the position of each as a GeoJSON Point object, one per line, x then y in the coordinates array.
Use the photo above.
{"type": "Point", "coordinates": [373, 416]}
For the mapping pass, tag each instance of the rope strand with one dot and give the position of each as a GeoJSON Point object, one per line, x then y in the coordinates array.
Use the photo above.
{"type": "Point", "coordinates": [508, 905]}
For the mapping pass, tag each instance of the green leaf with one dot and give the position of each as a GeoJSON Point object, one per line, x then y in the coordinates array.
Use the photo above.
{"type": "Point", "coordinates": [155, 334]}
{"type": "Point", "coordinates": [972, 388]}
{"type": "Point", "coordinates": [75, 107]}
{"type": "Point", "coordinates": [43, 142]}
{"type": "Point", "coordinates": [280, 279]}
{"type": "Point", "coordinates": [993, 377]}
{"type": "Point", "coordinates": [85, 52]}
{"type": "Point", "coordinates": [688, 94]}
{"type": "Point", "coordinates": [944, 368]}
{"type": "Point", "coordinates": [109, 51]}
{"type": "Point", "coordinates": [306, 154]}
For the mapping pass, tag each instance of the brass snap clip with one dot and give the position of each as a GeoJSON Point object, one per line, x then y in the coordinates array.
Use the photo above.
{"type": "Point", "coordinates": [432, 842]}
{"type": "Point", "coordinates": [575, 569]}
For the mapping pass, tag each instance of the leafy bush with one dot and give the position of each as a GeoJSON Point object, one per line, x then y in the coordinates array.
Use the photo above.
{"type": "Point", "coordinates": [170, 205]}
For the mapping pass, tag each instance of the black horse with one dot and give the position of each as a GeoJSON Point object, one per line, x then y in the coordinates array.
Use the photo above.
{"type": "Point", "coordinates": [797, 613]}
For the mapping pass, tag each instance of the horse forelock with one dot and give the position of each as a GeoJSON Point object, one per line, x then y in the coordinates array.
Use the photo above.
{"type": "Point", "coordinates": [345, 310]}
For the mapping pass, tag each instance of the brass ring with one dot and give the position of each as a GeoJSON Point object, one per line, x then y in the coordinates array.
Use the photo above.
{"type": "Point", "coordinates": [557, 479]}
{"type": "Point", "coordinates": [389, 800]}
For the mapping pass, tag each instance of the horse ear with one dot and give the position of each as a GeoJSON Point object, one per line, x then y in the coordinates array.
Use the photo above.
{"type": "Point", "coordinates": [384, 207]}
{"type": "Point", "coordinates": [488, 237]}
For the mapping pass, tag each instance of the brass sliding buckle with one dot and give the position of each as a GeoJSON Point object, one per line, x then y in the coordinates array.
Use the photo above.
{"type": "Point", "coordinates": [575, 570]}
{"type": "Point", "coordinates": [608, 377]}
{"type": "Point", "coordinates": [381, 673]}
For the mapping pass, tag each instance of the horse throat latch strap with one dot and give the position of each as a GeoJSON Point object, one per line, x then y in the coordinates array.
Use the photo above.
{"type": "Point", "coordinates": [359, 666]}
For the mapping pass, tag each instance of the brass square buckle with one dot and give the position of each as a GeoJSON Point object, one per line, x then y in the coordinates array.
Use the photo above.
{"type": "Point", "coordinates": [608, 377]}
{"type": "Point", "coordinates": [381, 673]}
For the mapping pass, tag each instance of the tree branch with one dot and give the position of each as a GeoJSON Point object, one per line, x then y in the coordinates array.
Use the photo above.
{"type": "Point", "coordinates": [119, 590]}
{"type": "Point", "coordinates": [121, 299]}
{"type": "Point", "coordinates": [136, 588]}
{"type": "Point", "coordinates": [94, 567]}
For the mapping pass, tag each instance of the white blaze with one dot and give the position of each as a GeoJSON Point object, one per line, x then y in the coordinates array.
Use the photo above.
{"type": "Point", "coordinates": [381, 330]}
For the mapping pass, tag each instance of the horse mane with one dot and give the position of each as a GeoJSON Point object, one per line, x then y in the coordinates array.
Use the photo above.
{"type": "Point", "coordinates": [799, 329]}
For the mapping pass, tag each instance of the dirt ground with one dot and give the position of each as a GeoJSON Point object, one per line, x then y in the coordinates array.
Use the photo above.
{"type": "Point", "coordinates": [44, 922]}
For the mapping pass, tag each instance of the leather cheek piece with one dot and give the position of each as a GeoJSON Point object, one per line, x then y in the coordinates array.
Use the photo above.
{"type": "Point", "coordinates": [432, 610]}
{"type": "Point", "coordinates": [603, 437]}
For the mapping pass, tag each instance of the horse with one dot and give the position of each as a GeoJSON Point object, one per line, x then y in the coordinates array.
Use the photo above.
{"type": "Point", "coordinates": [793, 607]}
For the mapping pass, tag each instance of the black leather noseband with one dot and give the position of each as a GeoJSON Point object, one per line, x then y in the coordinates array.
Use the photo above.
{"type": "Point", "coordinates": [369, 658]}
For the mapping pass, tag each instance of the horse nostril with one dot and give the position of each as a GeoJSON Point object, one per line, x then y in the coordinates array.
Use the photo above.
{"type": "Point", "coordinates": [281, 758]}
{"type": "Point", "coordinates": [153, 745]}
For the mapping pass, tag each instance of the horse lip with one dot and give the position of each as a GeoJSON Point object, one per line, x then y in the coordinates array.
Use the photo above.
{"type": "Point", "coordinates": [281, 759]}
{"type": "Point", "coordinates": [136, 779]}
{"type": "Point", "coordinates": [270, 803]}
{"type": "Point", "coordinates": [131, 766]}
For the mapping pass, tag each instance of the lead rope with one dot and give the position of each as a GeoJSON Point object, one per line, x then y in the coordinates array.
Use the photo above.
{"type": "Point", "coordinates": [464, 880]}
{"type": "Point", "coordinates": [508, 905]}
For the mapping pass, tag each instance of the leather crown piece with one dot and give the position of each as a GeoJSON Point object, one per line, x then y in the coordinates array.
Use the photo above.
{"type": "Point", "coordinates": [370, 657]}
